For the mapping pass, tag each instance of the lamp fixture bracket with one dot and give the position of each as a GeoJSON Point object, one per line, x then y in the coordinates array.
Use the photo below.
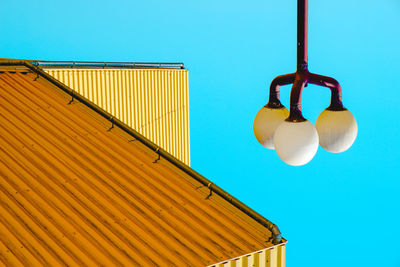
{"type": "Point", "coordinates": [302, 77]}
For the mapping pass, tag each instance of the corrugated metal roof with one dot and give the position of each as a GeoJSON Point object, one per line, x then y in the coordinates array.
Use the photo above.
{"type": "Point", "coordinates": [74, 190]}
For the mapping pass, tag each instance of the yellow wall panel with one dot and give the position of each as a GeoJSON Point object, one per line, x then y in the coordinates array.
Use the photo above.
{"type": "Point", "coordinates": [268, 257]}
{"type": "Point", "coordinates": [154, 102]}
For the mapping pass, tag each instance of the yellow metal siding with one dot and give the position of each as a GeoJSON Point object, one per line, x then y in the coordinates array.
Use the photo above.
{"type": "Point", "coordinates": [154, 102]}
{"type": "Point", "coordinates": [268, 257]}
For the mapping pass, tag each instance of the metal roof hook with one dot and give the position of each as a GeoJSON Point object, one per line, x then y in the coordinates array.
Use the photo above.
{"type": "Point", "coordinates": [159, 155]}
{"type": "Point", "coordinates": [112, 124]}
{"type": "Point", "coordinates": [209, 185]}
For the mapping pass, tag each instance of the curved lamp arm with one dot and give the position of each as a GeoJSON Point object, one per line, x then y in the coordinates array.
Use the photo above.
{"type": "Point", "coordinates": [331, 83]}
{"type": "Point", "coordinates": [295, 99]}
{"type": "Point", "coordinates": [274, 89]}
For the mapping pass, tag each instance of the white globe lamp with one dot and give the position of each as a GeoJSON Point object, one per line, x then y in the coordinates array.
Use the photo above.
{"type": "Point", "coordinates": [296, 142]}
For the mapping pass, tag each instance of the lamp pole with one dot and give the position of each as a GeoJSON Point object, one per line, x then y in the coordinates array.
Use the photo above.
{"type": "Point", "coordinates": [302, 35]}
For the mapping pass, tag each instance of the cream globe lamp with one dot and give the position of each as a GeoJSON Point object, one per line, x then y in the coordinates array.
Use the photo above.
{"type": "Point", "coordinates": [270, 116]}
{"type": "Point", "coordinates": [337, 130]}
{"type": "Point", "coordinates": [266, 122]}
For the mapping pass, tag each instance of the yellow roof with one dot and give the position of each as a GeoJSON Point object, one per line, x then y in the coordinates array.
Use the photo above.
{"type": "Point", "coordinates": [76, 189]}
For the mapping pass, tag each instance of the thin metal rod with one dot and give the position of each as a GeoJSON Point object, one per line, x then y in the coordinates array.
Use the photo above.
{"type": "Point", "coordinates": [302, 35]}
{"type": "Point", "coordinates": [95, 64]}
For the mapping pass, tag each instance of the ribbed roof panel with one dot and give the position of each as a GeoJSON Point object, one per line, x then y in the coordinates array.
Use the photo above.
{"type": "Point", "coordinates": [74, 191]}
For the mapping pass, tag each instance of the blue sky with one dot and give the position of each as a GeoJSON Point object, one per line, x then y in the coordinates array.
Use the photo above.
{"type": "Point", "coordinates": [340, 209]}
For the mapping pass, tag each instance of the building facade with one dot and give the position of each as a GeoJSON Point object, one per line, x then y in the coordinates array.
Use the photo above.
{"type": "Point", "coordinates": [79, 187]}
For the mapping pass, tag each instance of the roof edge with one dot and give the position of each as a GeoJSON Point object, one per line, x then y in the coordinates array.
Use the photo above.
{"type": "Point", "coordinates": [276, 234]}
{"type": "Point", "coordinates": [105, 65]}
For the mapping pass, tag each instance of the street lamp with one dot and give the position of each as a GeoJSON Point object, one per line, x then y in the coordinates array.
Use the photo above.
{"type": "Point", "coordinates": [293, 137]}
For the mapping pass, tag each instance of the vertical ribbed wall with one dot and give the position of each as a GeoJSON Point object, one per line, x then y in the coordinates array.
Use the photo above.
{"type": "Point", "coordinates": [154, 102]}
{"type": "Point", "coordinates": [268, 257]}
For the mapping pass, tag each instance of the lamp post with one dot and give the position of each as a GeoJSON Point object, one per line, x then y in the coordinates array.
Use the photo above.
{"type": "Point", "coordinates": [294, 137]}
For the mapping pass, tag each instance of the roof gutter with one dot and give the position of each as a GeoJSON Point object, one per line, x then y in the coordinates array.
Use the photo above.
{"type": "Point", "coordinates": [276, 234]}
